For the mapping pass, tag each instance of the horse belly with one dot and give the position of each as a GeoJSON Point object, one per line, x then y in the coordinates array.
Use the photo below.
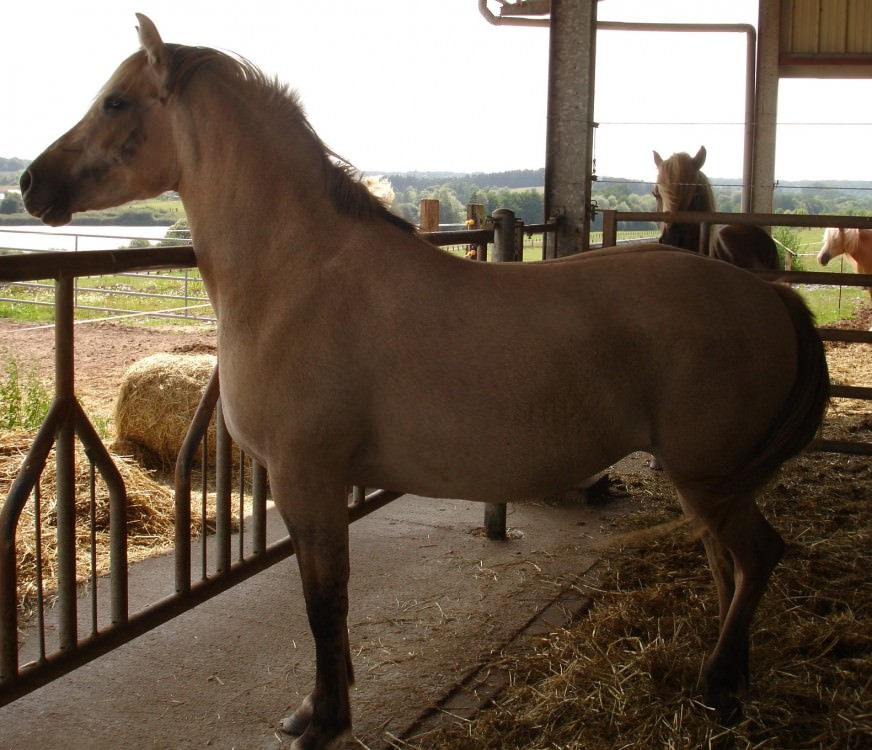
{"type": "Point", "coordinates": [516, 442]}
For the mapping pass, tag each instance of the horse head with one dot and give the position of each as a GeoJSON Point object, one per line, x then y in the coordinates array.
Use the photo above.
{"type": "Point", "coordinates": [121, 150]}
{"type": "Point", "coordinates": [835, 244]}
{"type": "Point", "coordinates": [682, 186]}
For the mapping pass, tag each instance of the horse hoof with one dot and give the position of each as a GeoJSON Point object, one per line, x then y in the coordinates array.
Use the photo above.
{"type": "Point", "coordinates": [294, 725]}
{"type": "Point", "coordinates": [727, 709]}
{"type": "Point", "coordinates": [298, 722]}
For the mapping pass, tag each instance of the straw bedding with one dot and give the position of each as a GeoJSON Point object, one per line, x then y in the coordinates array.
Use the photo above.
{"type": "Point", "coordinates": [150, 511]}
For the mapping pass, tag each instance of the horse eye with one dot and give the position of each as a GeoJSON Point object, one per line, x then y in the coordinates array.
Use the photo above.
{"type": "Point", "coordinates": [114, 103]}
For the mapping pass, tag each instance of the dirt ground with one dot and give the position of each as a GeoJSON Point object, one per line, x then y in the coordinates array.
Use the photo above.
{"type": "Point", "coordinates": [103, 352]}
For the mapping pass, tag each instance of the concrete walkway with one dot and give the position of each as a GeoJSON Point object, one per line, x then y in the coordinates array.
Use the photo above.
{"type": "Point", "coordinates": [431, 600]}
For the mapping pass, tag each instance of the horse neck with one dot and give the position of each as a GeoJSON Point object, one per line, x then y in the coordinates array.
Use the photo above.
{"type": "Point", "coordinates": [240, 172]}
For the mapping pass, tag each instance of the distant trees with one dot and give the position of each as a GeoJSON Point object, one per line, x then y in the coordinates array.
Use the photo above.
{"type": "Point", "coordinates": [11, 204]}
{"type": "Point", "coordinates": [527, 199]}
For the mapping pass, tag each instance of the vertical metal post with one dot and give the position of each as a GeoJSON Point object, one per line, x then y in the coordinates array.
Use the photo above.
{"type": "Point", "coordinates": [475, 220]}
{"type": "Point", "coordinates": [223, 489]}
{"type": "Point", "coordinates": [610, 227]}
{"type": "Point", "coordinates": [65, 466]}
{"type": "Point", "coordinates": [569, 137]}
{"type": "Point", "coordinates": [504, 252]}
{"type": "Point", "coordinates": [765, 108]}
{"type": "Point", "coordinates": [258, 508]}
{"type": "Point", "coordinates": [504, 235]}
{"type": "Point", "coordinates": [705, 236]}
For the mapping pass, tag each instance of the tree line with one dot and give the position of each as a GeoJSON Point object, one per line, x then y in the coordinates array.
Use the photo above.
{"type": "Point", "coordinates": [522, 191]}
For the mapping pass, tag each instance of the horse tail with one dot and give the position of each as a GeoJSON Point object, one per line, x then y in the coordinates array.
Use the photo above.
{"type": "Point", "coordinates": [802, 413]}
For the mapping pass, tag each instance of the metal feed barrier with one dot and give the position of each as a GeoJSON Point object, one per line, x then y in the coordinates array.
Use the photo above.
{"type": "Point", "coordinates": [88, 614]}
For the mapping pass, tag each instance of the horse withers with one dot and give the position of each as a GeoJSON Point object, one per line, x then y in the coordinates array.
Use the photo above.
{"type": "Point", "coordinates": [853, 244]}
{"type": "Point", "coordinates": [682, 186]}
{"type": "Point", "coordinates": [389, 396]}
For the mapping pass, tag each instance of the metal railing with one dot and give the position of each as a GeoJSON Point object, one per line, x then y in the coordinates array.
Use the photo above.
{"type": "Point", "coordinates": [93, 614]}
{"type": "Point", "coordinates": [172, 296]}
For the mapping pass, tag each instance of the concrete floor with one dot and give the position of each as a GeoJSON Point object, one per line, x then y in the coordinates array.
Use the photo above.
{"type": "Point", "coordinates": [431, 600]}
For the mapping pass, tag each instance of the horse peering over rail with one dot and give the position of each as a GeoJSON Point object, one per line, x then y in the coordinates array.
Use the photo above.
{"type": "Point", "coordinates": [386, 395]}
{"type": "Point", "coordinates": [854, 244]}
{"type": "Point", "coordinates": [682, 186]}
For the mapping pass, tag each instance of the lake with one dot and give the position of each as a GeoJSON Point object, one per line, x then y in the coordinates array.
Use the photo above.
{"type": "Point", "coordinates": [75, 238]}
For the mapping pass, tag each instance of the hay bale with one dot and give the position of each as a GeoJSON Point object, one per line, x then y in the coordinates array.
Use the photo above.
{"type": "Point", "coordinates": [156, 403]}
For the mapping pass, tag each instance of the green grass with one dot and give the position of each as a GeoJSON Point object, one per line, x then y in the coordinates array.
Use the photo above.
{"type": "Point", "coordinates": [121, 293]}
{"type": "Point", "coordinates": [833, 304]}
{"type": "Point", "coordinates": [136, 213]}
{"type": "Point", "coordinates": [24, 399]}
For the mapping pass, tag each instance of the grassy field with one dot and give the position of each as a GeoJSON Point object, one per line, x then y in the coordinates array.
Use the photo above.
{"type": "Point", "coordinates": [156, 211]}
{"type": "Point", "coordinates": [165, 296]}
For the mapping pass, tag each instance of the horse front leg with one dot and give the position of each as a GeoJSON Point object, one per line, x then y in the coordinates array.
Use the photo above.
{"type": "Point", "coordinates": [318, 524]}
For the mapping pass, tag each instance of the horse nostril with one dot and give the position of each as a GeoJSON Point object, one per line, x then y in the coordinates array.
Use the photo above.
{"type": "Point", "coordinates": [26, 181]}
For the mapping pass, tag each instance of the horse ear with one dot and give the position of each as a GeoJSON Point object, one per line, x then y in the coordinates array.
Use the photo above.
{"type": "Point", "coordinates": [699, 159]}
{"type": "Point", "coordinates": [658, 160]}
{"type": "Point", "coordinates": [151, 42]}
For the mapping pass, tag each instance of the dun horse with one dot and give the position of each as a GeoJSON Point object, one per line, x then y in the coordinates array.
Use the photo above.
{"type": "Point", "coordinates": [387, 395]}
{"type": "Point", "coordinates": [854, 244]}
{"type": "Point", "coordinates": [682, 186]}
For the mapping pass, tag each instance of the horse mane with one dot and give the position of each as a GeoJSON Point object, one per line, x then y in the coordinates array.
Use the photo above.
{"type": "Point", "coordinates": [346, 191]}
{"type": "Point", "coordinates": [682, 186]}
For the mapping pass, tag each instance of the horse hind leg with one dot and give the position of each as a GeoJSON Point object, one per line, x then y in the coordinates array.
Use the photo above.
{"type": "Point", "coordinates": [743, 550]}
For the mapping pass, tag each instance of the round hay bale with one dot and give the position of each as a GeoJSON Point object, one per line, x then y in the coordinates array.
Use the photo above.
{"type": "Point", "coordinates": [156, 403]}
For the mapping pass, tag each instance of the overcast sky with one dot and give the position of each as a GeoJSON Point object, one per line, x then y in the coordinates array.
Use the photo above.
{"type": "Point", "coordinates": [400, 85]}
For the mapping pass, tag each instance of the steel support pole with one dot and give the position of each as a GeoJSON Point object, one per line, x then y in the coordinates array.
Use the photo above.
{"type": "Point", "coordinates": [569, 137]}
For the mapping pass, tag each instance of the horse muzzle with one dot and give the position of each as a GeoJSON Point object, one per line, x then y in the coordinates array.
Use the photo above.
{"type": "Point", "coordinates": [43, 200]}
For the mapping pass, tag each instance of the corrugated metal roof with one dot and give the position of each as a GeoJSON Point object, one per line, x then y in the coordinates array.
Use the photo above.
{"type": "Point", "coordinates": [832, 36]}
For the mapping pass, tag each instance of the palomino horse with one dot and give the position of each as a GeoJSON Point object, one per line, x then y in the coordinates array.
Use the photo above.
{"type": "Point", "coordinates": [681, 186]}
{"type": "Point", "coordinates": [854, 244]}
{"type": "Point", "coordinates": [384, 392]}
